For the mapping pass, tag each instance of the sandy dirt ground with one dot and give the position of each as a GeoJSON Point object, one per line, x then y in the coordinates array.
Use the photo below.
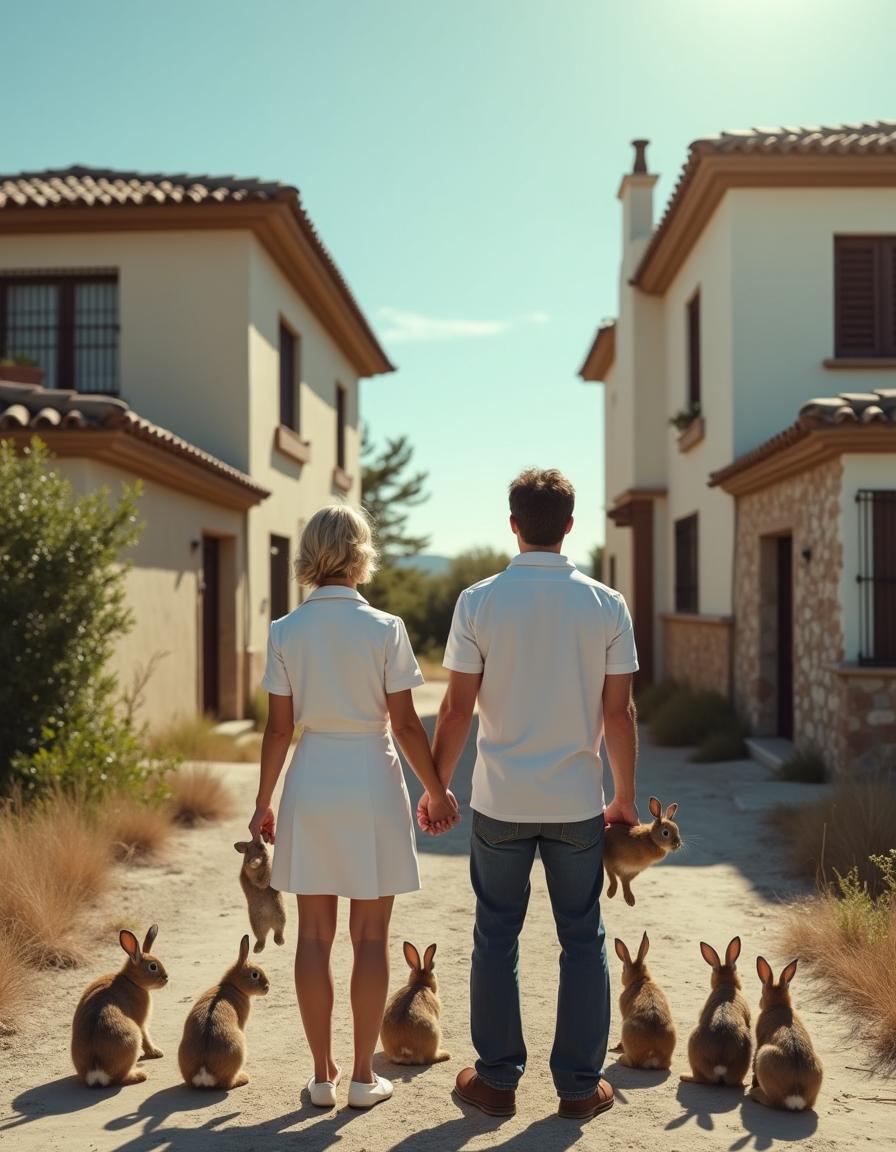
{"type": "Point", "coordinates": [728, 880]}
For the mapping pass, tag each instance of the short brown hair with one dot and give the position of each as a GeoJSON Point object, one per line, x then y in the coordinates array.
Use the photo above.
{"type": "Point", "coordinates": [337, 544]}
{"type": "Point", "coordinates": [541, 503]}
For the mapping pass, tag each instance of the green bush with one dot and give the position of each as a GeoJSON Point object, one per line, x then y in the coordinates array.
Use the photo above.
{"type": "Point", "coordinates": [652, 698]}
{"type": "Point", "coordinates": [688, 717]}
{"type": "Point", "coordinates": [724, 744]}
{"type": "Point", "coordinates": [806, 766]}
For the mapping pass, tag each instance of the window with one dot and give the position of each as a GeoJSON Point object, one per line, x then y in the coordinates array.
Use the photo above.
{"type": "Point", "coordinates": [865, 296]}
{"type": "Point", "coordinates": [611, 581]}
{"type": "Point", "coordinates": [67, 322]}
{"type": "Point", "coordinates": [279, 577]}
{"type": "Point", "coordinates": [340, 426]}
{"type": "Point", "coordinates": [693, 336]}
{"type": "Point", "coordinates": [289, 378]}
{"type": "Point", "coordinates": [877, 576]}
{"type": "Point", "coordinates": [686, 588]}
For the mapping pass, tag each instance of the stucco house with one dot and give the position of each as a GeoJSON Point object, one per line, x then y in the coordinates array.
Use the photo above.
{"type": "Point", "coordinates": [756, 552]}
{"type": "Point", "coordinates": [195, 332]}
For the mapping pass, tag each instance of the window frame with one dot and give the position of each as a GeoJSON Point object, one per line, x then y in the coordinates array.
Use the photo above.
{"type": "Point", "coordinates": [883, 246]}
{"type": "Point", "coordinates": [687, 592]}
{"type": "Point", "coordinates": [876, 578]}
{"type": "Point", "coordinates": [290, 390]}
{"type": "Point", "coordinates": [693, 338]}
{"type": "Point", "coordinates": [341, 424]}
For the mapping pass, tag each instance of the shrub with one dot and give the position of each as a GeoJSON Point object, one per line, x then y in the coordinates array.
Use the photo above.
{"type": "Point", "coordinates": [194, 738]}
{"type": "Point", "coordinates": [688, 717]}
{"type": "Point", "coordinates": [257, 709]}
{"type": "Point", "coordinates": [653, 697]}
{"type": "Point", "coordinates": [15, 984]}
{"type": "Point", "coordinates": [723, 744]}
{"type": "Point", "coordinates": [806, 766]}
{"type": "Point", "coordinates": [62, 596]}
{"type": "Point", "coordinates": [199, 794]}
{"type": "Point", "coordinates": [135, 830]}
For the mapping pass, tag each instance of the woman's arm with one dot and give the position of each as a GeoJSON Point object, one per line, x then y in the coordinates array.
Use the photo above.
{"type": "Point", "coordinates": [275, 744]}
{"type": "Point", "coordinates": [411, 736]}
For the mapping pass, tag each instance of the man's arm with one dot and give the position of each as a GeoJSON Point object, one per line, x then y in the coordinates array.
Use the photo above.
{"type": "Point", "coordinates": [621, 739]}
{"type": "Point", "coordinates": [452, 730]}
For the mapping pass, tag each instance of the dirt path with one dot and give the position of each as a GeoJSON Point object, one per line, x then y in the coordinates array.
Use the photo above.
{"type": "Point", "coordinates": [726, 882]}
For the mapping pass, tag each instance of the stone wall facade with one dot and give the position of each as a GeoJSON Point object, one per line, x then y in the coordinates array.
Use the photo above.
{"type": "Point", "coordinates": [806, 507]}
{"type": "Point", "coordinates": [866, 729]}
{"type": "Point", "coordinates": [697, 651]}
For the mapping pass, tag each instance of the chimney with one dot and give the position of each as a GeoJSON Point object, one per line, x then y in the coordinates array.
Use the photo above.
{"type": "Point", "coordinates": [636, 194]}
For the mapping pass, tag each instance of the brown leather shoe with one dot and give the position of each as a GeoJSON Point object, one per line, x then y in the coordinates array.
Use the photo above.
{"type": "Point", "coordinates": [599, 1101]}
{"type": "Point", "coordinates": [491, 1101]}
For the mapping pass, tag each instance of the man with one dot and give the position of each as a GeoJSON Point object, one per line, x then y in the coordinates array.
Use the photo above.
{"type": "Point", "coordinates": [549, 655]}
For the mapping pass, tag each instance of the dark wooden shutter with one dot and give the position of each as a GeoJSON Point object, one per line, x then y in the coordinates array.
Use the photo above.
{"type": "Point", "coordinates": [687, 594]}
{"type": "Point", "coordinates": [287, 378]}
{"type": "Point", "coordinates": [865, 296]}
{"type": "Point", "coordinates": [884, 577]}
{"type": "Point", "coordinates": [340, 426]}
{"type": "Point", "coordinates": [279, 577]}
{"type": "Point", "coordinates": [693, 321]}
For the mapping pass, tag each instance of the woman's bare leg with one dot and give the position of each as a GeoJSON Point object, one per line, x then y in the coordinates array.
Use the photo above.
{"type": "Point", "coordinates": [314, 980]}
{"type": "Point", "coordinates": [369, 928]}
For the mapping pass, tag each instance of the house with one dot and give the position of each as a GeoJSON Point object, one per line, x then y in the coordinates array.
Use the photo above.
{"type": "Point", "coordinates": [768, 282]}
{"type": "Point", "coordinates": [192, 331]}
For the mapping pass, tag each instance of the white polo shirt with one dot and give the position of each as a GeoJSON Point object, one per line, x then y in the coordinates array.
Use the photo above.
{"type": "Point", "coordinates": [544, 636]}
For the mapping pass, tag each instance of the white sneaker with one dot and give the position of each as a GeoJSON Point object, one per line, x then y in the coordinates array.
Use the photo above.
{"type": "Point", "coordinates": [323, 1092]}
{"type": "Point", "coordinates": [366, 1095]}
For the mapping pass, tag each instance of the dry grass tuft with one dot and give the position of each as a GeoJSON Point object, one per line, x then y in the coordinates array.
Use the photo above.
{"type": "Point", "coordinates": [54, 863]}
{"type": "Point", "coordinates": [840, 831]}
{"type": "Point", "coordinates": [193, 738]}
{"type": "Point", "coordinates": [15, 986]}
{"type": "Point", "coordinates": [198, 794]}
{"type": "Point", "coordinates": [136, 831]}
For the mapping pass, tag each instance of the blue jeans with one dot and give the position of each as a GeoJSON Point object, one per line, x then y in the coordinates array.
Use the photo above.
{"type": "Point", "coordinates": [501, 857]}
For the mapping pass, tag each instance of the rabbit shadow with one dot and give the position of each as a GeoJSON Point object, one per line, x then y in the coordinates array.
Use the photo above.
{"type": "Point", "coordinates": [765, 1127]}
{"type": "Point", "coordinates": [158, 1108]}
{"type": "Point", "coordinates": [703, 1101]}
{"type": "Point", "coordinates": [625, 1079]}
{"type": "Point", "coordinates": [62, 1097]}
{"type": "Point", "coordinates": [399, 1073]}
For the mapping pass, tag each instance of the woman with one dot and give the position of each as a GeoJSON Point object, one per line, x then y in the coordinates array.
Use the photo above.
{"type": "Point", "coordinates": [343, 671]}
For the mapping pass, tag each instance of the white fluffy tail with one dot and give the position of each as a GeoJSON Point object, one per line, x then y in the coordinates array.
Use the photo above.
{"type": "Point", "coordinates": [720, 1070]}
{"type": "Point", "coordinates": [795, 1103]}
{"type": "Point", "coordinates": [652, 1062]}
{"type": "Point", "coordinates": [204, 1078]}
{"type": "Point", "coordinates": [97, 1077]}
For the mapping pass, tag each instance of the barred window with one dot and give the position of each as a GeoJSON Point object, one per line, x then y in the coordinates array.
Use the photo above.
{"type": "Point", "coordinates": [877, 576]}
{"type": "Point", "coordinates": [67, 322]}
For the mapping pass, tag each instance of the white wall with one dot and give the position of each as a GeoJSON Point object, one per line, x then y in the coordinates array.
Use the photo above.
{"type": "Point", "coordinates": [860, 470]}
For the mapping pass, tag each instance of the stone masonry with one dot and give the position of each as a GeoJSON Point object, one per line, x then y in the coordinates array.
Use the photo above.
{"type": "Point", "coordinates": [697, 651]}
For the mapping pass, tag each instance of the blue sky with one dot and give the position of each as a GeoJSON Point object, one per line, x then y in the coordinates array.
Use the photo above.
{"type": "Point", "coordinates": [460, 160]}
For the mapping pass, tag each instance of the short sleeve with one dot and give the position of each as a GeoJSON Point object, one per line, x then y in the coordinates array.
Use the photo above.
{"type": "Point", "coordinates": [402, 670]}
{"type": "Point", "coordinates": [275, 678]}
{"type": "Point", "coordinates": [462, 653]}
{"type": "Point", "coordinates": [621, 654]}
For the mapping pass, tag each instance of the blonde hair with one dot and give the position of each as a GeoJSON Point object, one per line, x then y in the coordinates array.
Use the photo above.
{"type": "Point", "coordinates": [337, 544]}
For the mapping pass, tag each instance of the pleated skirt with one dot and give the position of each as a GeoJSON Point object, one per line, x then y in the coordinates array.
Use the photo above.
{"type": "Point", "coordinates": [344, 827]}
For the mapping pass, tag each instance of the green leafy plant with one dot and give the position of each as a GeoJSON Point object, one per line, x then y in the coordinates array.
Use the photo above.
{"type": "Point", "coordinates": [17, 362]}
{"type": "Point", "coordinates": [723, 744]}
{"type": "Point", "coordinates": [685, 417]}
{"type": "Point", "coordinates": [650, 699]}
{"type": "Point", "coordinates": [806, 766]}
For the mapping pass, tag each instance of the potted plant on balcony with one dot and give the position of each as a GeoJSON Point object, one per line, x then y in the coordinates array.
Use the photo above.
{"type": "Point", "coordinates": [21, 370]}
{"type": "Point", "coordinates": [690, 425]}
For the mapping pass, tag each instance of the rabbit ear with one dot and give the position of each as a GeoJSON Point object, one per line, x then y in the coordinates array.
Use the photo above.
{"type": "Point", "coordinates": [242, 846]}
{"type": "Point", "coordinates": [656, 809]}
{"type": "Point", "coordinates": [128, 941]}
{"type": "Point", "coordinates": [710, 955]}
{"type": "Point", "coordinates": [622, 952]}
{"type": "Point", "coordinates": [412, 956]}
{"type": "Point", "coordinates": [732, 952]}
{"type": "Point", "coordinates": [764, 971]}
{"type": "Point", "coordinates": [644, 948]}
{"type": "Point", "coordinates": [244, 951]}
{"type": "Point", "coordinates": [671, 810]}
{"type": "Point", "coordinates": [428, 957]}
{"type": "Point", "coordinates": [789, 972]}
{"type": "Point", "coordinates": [150, 937]}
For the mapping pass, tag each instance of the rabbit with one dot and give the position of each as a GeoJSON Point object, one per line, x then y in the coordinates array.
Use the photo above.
{"type": "Point", "coordinates": [786, 1071]}
{"type": "Point", "coordinates": [110, 1023]}
{"type": "Point", "coordinates": [719, 1047]}
{"type": "Point", "coordinates": [648, 1034]}
{"type": "Point", "coordinates": [266, 910]}
{"type": "Point", "coordinates": [410, 1030]}
{"type": "Point", "coordinates": [213, 1048]}
{"type": "Point", "coordinates": [628, 851]}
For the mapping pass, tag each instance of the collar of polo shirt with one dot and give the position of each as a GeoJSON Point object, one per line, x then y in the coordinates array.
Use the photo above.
{"type": "Point", "coordinates": [335, 592]}
{"type": "Point", "coordinates": [542, 559]}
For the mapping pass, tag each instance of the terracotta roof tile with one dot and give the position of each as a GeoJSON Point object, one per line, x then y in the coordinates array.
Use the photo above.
{"type": "Point", "coordinates": [32, 406]}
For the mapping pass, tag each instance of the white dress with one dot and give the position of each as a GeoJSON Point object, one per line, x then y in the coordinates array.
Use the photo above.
{"type": "Point", "coordinates": [344, 826]}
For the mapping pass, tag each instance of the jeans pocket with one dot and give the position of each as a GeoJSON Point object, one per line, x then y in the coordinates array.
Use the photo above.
{"type": "Point", "coordinates": [493, 831]}
{"type": "Point", "coordinates": [583, 833]}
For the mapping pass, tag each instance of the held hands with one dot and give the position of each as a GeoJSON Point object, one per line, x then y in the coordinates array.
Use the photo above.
{"type": "Point", "coordinates": [621, 812]}
{"type": "Point", "coordinates": [435, 816]}
{"type": "Point", "coordinates": [261, 826]}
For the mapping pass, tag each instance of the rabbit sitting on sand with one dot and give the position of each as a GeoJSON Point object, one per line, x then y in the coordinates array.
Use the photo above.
{"type": "Point", "coordinates": [648, 1034]}
{"type": "Point", "coordinates": [719, 1047]}
{"type": "Point", "coordinates": [786, 1071]}
{"type": "Point", "coordinates": [266, 911]}
{"type": "Point", "coordinates": [628, 851]}
{"type": "Point", "coordinates": [410, 1030]}
{"type": "Point", "coordinates": [213, 1049]}
{"type": "Point", "coordinates": [109, 1028]}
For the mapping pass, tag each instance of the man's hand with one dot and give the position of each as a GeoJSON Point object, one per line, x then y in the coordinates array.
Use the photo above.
{"type": "Point", "coordinates": [430, 817]}
{"type": "Point", "coordinates": [261, 826]}
{"type": "Point", "coordinates": [621, 812]}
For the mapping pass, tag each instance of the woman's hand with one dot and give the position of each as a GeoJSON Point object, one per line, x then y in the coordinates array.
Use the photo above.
{"type": "Point", "coordinates": [262, 824]}
{"type": "Point", "coordinates": [436, 815]}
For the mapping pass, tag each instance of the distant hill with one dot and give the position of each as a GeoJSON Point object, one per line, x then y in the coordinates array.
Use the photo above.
{"type": "Point", "coordinates": [431, 565]}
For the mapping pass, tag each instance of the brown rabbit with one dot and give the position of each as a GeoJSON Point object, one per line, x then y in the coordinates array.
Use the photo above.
{"type": "Point", "coordinates": [628, 851]}
{"type": "Point", "coordinates": [213, 1049]}
{"type": "Point", "coordinates": [410, 1030]}
{"type": "Point", "coordinates": [786, 1071]}
{"type": "Point", "coordinates": [109, 1028]}
{"type": "Point", "coordinates": [719, 1047]}
{"type": "Point", "coordinates": [648, 1034]}
{"type": "Point", "coordinates": [266, 910]}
